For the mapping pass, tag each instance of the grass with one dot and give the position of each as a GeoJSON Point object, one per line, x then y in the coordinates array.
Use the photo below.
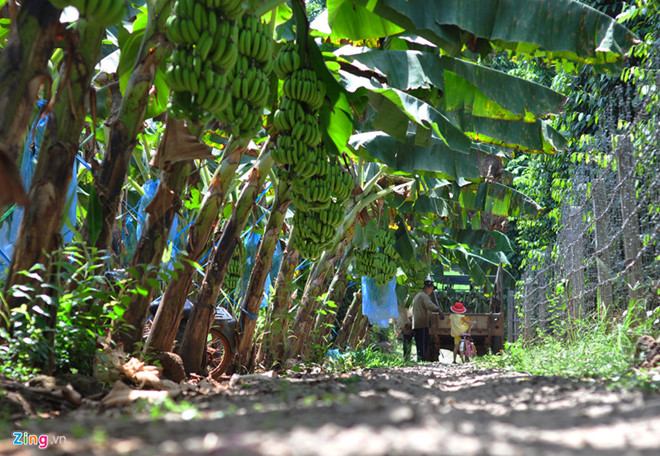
{"type": "Point", "coordinates": [600, 351]}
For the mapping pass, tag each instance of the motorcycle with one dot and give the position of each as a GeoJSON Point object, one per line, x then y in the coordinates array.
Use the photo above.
{"type": "Point", "coordinates": [221, 340]}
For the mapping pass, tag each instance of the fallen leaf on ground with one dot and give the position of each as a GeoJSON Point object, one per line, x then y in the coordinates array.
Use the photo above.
{"type": "Point", "coordinates": [122, 394]}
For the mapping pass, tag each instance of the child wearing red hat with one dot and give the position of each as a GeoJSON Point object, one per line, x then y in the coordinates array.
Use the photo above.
{"type": "Point", "coordinates": [459, 324]}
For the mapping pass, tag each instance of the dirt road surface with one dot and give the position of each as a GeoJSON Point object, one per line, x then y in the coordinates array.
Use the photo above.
{"type": "Point", "coordinates": [434, 409]}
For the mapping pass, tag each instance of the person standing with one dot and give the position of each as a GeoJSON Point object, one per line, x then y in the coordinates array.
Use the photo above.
{"type": "Point", "coordinates": [459, 324]}
{"type": "Point", "coordinates": [404, 328]}
{"type": "Point", "coordinates": [422, 305]}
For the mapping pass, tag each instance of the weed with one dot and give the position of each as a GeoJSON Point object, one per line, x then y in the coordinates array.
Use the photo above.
{"type": "Point", "coordinates": [370, 357]}
{"type": "Point", "coordinates": [599, 349]}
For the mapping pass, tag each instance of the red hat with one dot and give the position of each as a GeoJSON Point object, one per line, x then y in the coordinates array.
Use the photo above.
{"type": "Point", "coordinates": [458, 308]}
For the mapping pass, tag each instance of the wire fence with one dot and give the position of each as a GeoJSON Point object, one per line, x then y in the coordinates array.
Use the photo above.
{"type": "Point", "coordinates": [607, 251]}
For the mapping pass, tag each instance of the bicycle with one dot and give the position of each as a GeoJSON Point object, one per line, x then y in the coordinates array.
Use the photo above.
{"type": "Point", "coordinates": [466, 348]}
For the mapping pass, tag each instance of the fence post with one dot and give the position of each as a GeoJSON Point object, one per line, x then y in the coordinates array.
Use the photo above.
{"type": "Point", "coordinates": [631, 242]}
{"type": "Point", "coordinates": [527, 310]}
{"type": "Point", "coordinates": [511, 333]}
{"type": "Point", "coordinates": [603, 260]}
{"type": "Point", "coordinates": [575, 263]}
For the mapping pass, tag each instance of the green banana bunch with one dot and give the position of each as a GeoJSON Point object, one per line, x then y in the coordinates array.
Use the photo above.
{"type": "Point", "coordinates": [287, 60]}
{"type": "Point", "coordinates": [205, 38]}
{"type": "Point", "coordinates": [304, 86]}
{"type": "Point", "coordinates": [235, 269]}
{"type": "Point", "coordinates": [206, 32]}
{"type": "Point", "coordinates": [231, 9]}
{"type": "Point", "coordinates": [313, 164]}
{"type": "Point", "coordinates": [314, 190]}
{"type": "Point", "coordinates": [341, 182]}
{"type": "Point", "coordinates": [313, 236]}
{"type": "Point", "coordinates": [308, 130]}
{"type": "Point", "coordinates": [333, 215]}
{"type": "Point", "coordinates": [254, 40]}
{"type": "Point", "coordinates": [101, 12]}
{"type": "Point", "coordinates": [189, 73]}
{"type": "Point", "coordinates": [379, 260]}
{"type": "Point", "coordinates": [309, 250]}
{"type": "Point", "coordinates": [290, 151]}
{"type": "Point", "coordinates": [251, 86]}
{"type": "Point", "coordinates": [248, 81]}
{"type": "Point", "coordinates": [416, 272]}
{"type": "Point", "coordinates": [289, 113]}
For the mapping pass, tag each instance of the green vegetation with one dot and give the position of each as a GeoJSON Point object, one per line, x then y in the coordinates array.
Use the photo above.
{"type": "Point", "coordinates": [370, 357]}
{"type": "Point", "coordinates": [595, 349]}
{"type": "Point", "coordinates": [386, 143]}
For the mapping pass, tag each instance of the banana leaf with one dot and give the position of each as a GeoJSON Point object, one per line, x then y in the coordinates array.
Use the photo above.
{"type": "Point", "coordinates": [553, 29]}
{"type": "Point", "coordinates": [396, 109]}
{"type": "Point", "coordinates": [437, 160]}
{"type": "Point", "coordinates": [463, 83]}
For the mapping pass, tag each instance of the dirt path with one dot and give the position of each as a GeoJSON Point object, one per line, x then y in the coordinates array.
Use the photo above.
{"type": "Point", "coordinates": [434, 409]}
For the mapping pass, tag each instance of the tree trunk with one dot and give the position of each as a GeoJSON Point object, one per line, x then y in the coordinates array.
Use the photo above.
{"type": "Point", "coordinates": [262, 264]}
{"type": "Point", "coordinates": [352, 315]}
{"type": "Point", "coordinates": [197, 329]}
{"type": "Point", "coordinates": [306, 316]}
{"type": "Point", "coordinates": [170, 310]}
{"type": "Point", "coordinates": [361, 321]}
{"type": "Point", "coordinates": [39, 233]}
{"type": "Point", "coordinates": [273, 348]}
{"type": "Point", "coordinates": [23, 69]}
{"type": "Point", "coordinates": [127, 123]}
{"type": "Point", "coordinates": [336, 290]}
{"type": "Point", "coordinates": [149, 252]}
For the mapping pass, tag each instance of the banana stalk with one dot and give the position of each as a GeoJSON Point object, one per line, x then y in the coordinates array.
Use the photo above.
{"type": "Point", "coordinates": [352, 315]}
{"type": "Point", "coordinates": [273, 347]}
{"type": "Point", "coordinates": [359, 332]}
{"type": "Point", "coordinates": [149, 252]}
{"type": "Point", "coordinates": [335, 293]}
{"type": "Point", "coordinates": [125, 127]}
{"type": "Point", "coordinates": [304, 322]}
{"type": "Point", "coordinates": [300, 336]}
{"type": "Point", "coordinates": [194, 338]}
{"type": "Point", "coordinates": [262, 264]}
{"type": "Point", "coordinates": [39, 233]}
{"type": "Point", "coordinates": [32, 37]}
{"type": "Point", "coordinates": [169, 313]}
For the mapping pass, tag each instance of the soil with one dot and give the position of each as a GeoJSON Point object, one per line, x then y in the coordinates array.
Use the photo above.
{"type": "Point", "coordinates": [435, 409]}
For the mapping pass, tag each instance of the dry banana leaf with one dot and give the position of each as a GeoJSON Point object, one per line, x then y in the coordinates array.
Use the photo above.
{"type": "Point", "coordinates": [178, 144]}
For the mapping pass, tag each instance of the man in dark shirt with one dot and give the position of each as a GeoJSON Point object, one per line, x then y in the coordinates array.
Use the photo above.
{"type": "Point", "coordinates": [422, 305]}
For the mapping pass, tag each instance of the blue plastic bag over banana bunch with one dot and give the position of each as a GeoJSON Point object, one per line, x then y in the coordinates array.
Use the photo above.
{"type": "Point", "coordinates": [379, 304]}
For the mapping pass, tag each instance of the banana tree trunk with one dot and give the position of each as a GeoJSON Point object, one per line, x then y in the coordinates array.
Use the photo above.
{"type": "Point", "coordinates": [336, 290]}
{"type": "Point", "coordinates": [358, 327]}
{"type": "Point", "coordinates": [23, 68]}
{"type": "Point", "coordinates": [298, 342]}
{"type": "Point", "coordinates": [197, 329]}
{"type": "Point", "coordinates": [352, 315]}
{"type": "Point", "coordinates": [149, 251]}
{"type": "Point", "coordinates": [125, 126]}
{"type": "Point", "coordinates": [39, 232]}
{"type": "Point", "coordinates": [262, 264]}
{"type": "Point", "coordinates": [273, 348]}
{"type": "Point", "coordinates": [169, 312]}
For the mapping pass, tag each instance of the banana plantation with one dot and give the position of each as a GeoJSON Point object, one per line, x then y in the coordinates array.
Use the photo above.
{"type": "Point", "coordinates": [222, 182]}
